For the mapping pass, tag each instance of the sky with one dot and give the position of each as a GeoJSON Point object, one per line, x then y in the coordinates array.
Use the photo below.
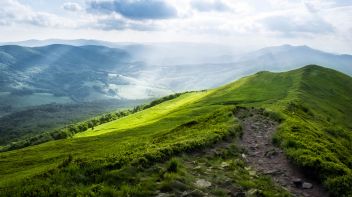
{"type": "Point", "coordinates": [322, 24]}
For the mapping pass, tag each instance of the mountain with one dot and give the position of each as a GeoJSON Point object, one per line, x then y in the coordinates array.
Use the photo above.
{"type": "Point", "coordinates": [168, 53]}
{"type": "Point", "coordinates": [63, 74]}
{"type": "Point", "coordinates": [188, 143]}
{"type": "Point", "coordinates": [32, 76]}
{"type": "Point", "coordinates": [281, 58]}
{"type": "Point", "coordinates": [182, 77]}
{"type": "Point", "coordinates": [77, 42]}
{"type": "Point", "coordinates": [59, 73]}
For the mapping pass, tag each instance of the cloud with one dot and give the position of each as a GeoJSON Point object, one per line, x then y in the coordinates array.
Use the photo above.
{"type": "Point", "coordinates": [295, 26]}
{"type": "Point", "coordinates": [70, 6]}
{"type": "Point", "coordinates": [342, 2]}
{"type": "Point", "coordinates": [14, 13]}
{"type": "Point", "coordinates": [311, 8]}
{"type": "Point", "coordinates": [114, 22]}
{"type": "Point", "coordinates": [135, 9]}
{"type": "Point", "coordinates": [207, 6]}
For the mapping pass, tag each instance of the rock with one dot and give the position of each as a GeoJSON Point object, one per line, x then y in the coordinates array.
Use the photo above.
{"type": "Point", "coordinates": [178, 185]}
{"type": "Point", "coordinates": [254, 193]}
{"type": "Point", "coordinates": [201, 183]}
{"type": "Point", "coordinates": [270, 153]}
{"type": "Point", "coordinates": [185, 193]}
{"type": "Point", "coordinates": [236, 194]}
{"type": "Point", "coordinates": [252, 173]}
{"type": "Point", "coordinates": [224, 164]}
{"type": "Point", "coordinates": [195, 193]}
{"type": "Point", "coordinates": [163, 195]}
{"type": "Point", "coordinates": [272, 172]}
{"type": "Point", "coordinates": [307, 185]}
{"type": "Point", "coordinates": [297, 182]}
{"type": "Point", "coordinates": [305, 195]}
{"type": "Point", "coordinates": [197, 167]}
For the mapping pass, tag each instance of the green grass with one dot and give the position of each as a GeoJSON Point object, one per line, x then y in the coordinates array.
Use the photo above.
{"type": "Point", "coordinates": [315, 104]}
{"type": "Point", "coordinates": [151, 140]}
{"type": "Point", "coordinates": [146, 117]}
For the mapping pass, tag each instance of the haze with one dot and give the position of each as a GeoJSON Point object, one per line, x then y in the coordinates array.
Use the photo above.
{"type": "Point", "coordinates": [243, 25]}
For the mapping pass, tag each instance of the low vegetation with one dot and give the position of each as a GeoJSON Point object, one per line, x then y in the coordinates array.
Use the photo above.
{"type": "Point", "coordinates": [131, 155]}
{"type": "Point", "coordinates": [33, 126]}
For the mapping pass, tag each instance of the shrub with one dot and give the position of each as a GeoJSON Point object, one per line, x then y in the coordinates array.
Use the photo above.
{"type": "Point", "coordinates": [340, 186]}
{"type": "Point", "coordinates": [173, 165]}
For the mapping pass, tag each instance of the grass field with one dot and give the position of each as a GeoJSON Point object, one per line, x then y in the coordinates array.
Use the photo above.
{"type": "Point", "coordinates": [313, 104]}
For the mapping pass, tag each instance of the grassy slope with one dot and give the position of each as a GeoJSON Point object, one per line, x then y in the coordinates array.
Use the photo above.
{"type": "Point", "coordinates": [145, 117]}
{"type": "Point", "coordinates": [132, 142]}
{"type": "Point", "coordinates": [36, 120]}
{"type": "Point", "coordinates": [310, 99]}
{"type": "Point", "coordinates": [317, 133]}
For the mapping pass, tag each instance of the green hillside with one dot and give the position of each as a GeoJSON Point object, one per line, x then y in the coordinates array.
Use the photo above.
{"type": "Point", "coordinates": [130, 156]}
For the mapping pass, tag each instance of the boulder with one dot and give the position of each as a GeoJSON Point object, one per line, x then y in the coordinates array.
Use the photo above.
{"type": "Point", "coordinates": [201, 183]}
{"type": "Point", "coordinates": [307, 185]}
{"type": "Point", "coordinates": [297, 182]}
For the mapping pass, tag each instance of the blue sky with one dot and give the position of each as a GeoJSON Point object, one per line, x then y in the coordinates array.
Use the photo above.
{"type": "Point", "coordinates": [242, 23]}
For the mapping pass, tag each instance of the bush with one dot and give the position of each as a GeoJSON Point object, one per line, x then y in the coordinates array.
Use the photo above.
{"type": "Point", "coordinates": [340, 186]}
{"type": "Point", "coordinates": [173, 165]}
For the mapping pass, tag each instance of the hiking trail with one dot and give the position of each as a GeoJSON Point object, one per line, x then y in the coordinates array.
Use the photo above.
{"type": "Point", "coordinates": [265, 158]}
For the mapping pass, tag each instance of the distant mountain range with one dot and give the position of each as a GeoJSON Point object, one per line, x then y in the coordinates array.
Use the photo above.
{"type": "Point", "coordinates": [79, 72]}
{"type": "Point", "coordinates": [64, 73]}
{"type": "Point", "coordinates": [277, 58]}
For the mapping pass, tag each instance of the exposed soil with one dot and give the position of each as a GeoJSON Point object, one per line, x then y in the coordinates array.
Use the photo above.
{"type": "Point", "coordinates": [268, 159]}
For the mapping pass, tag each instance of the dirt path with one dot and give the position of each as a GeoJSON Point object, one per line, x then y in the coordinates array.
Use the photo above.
{"type": "Point", "coordinates": [262, 155]}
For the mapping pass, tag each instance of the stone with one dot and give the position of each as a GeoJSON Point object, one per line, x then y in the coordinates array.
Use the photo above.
{"type": "Point", "coordinates": [197, 167]}
{"type": "Point", "coordinates": [201, 183]}
{"type": "Point", "coordinates": [252, 173]}
{"type": "Point", "coordinates": [236, 194]}
{"type": "Point", "coordinates": [253, 193]}
{"type": "Point", "coordinates": [178, 185]}
{"type": "Point", "coordinates": [163, 195]}
{"type": "Point", "coordinates": [195, 193]}
{"type": "Point", "coordinates": [270, 153]}
{"type": "Point", "coordinates": [297, 182]}
{"type": "Point", "coordinates": [307, 185]}
{"type": "Point", "coordinates": [272, 172]}
{"type": "Point", "coordinates": [224, 164]}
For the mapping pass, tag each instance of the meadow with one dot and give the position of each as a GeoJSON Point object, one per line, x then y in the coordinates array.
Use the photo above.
{"type": "Point", "coordinates": [313, 105]}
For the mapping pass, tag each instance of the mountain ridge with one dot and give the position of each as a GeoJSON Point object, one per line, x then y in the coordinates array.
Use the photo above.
{"type": "Point", "coordinates": [199, 119]}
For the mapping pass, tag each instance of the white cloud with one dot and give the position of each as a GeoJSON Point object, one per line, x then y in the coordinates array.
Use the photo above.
{"type": "Point", "coordinates": [250, 22]}
{"type": "Point", "coordinates": [297, 25]}
{"type": "Point", "coordinates": [71, 6]}
{"type": "Point", "coordinates": [14, 13]}
{"type": "Point", "coordinates": [214, 5]}
{"type": "Point", "coordinates": [116, 22]}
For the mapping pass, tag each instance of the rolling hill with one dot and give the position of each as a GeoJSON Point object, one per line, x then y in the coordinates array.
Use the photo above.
{"type": "Point", "coordinates": [130, 155]}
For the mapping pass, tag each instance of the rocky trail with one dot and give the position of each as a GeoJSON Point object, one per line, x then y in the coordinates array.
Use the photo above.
{"type": "Point", "coordinates": [268, 159]}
